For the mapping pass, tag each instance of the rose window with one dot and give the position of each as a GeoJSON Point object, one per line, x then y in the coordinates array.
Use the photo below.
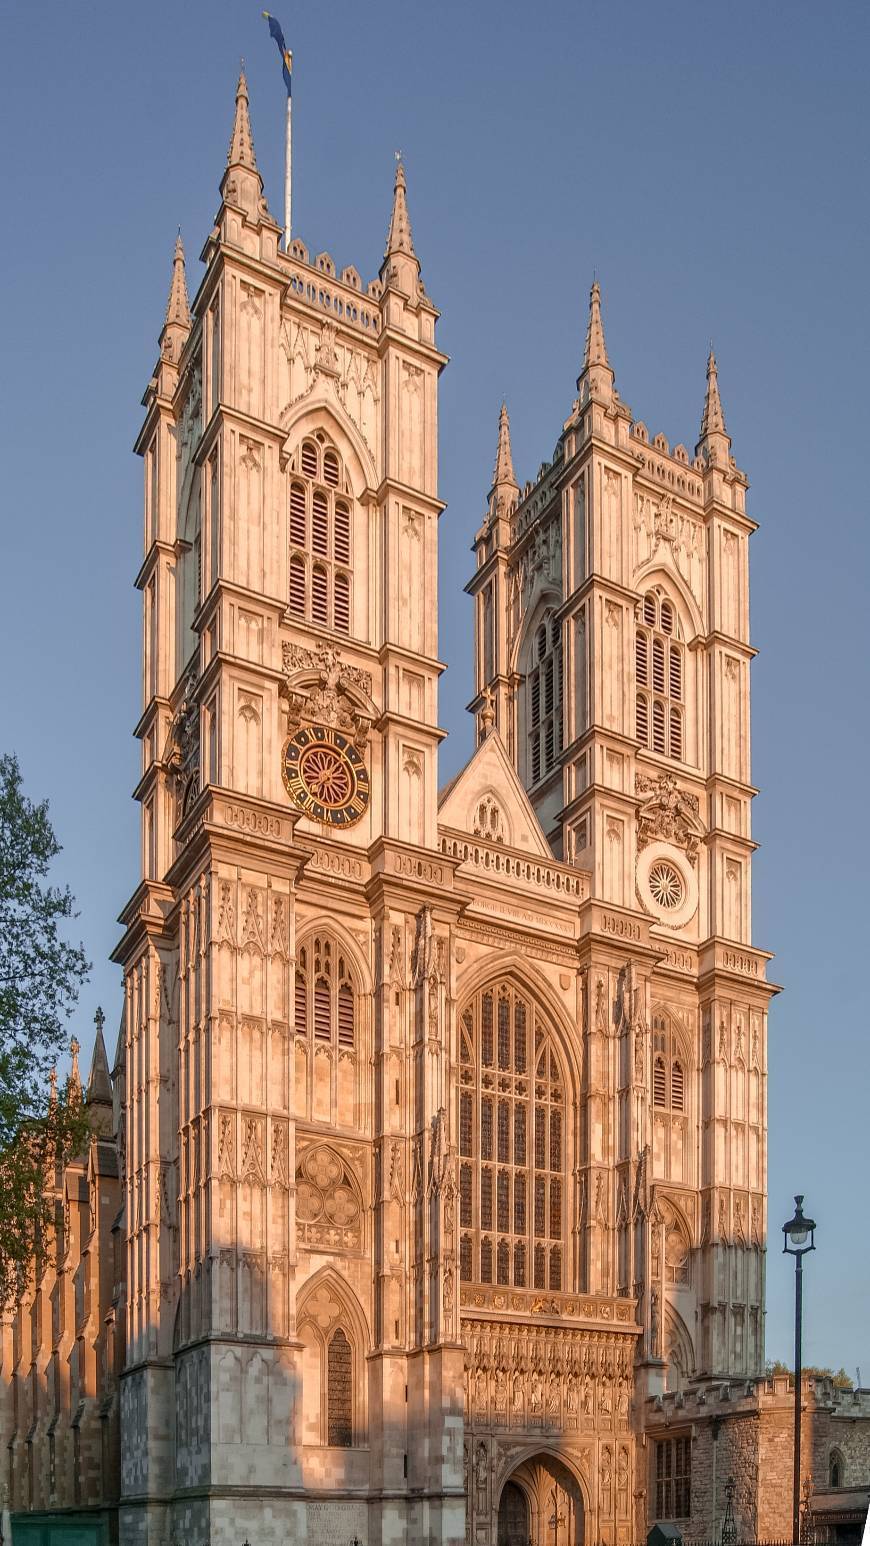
{"type": "Point", "coordinates": [666, 885]}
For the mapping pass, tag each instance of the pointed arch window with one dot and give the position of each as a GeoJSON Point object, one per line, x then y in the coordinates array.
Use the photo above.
{"type": "Point", "coordinates": [339, 1391]}
{"type": "Point", "coordinates": [836, 1469]}
{"type": "Point", "coordinates": [512, 1143]}
{"type": "Point", "coordinates": [319, 529]}
{"type": "Point", "coordinates": [325, 1003]}
{"type": "Point", "coordinates": [659, 673]}
{"type": "Point", "coordinates": [544, 684]}
{"type": "Point", "coordinates": [669, 1068]}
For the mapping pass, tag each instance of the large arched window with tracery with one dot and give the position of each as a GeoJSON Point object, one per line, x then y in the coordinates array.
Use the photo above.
{"type": "Point", "coordinates": [512, 1134]}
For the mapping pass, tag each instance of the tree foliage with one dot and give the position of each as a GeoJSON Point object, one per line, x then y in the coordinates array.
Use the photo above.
{"type": "Point", "coordinates": [40, 977]}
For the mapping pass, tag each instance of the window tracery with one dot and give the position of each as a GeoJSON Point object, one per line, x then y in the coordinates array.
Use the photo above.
{"type": "Point", "coordinates": [328, 1204]}
{"type": "Point", "coordinates": [320, 537]}
{"type": "Point", "coordinates": [511, 1143]}
{"type": "Point", "coordinates": [659, 672]}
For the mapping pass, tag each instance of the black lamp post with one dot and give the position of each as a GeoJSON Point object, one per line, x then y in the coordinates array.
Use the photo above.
{"type": "Point", "coordinates": [798, 1240]}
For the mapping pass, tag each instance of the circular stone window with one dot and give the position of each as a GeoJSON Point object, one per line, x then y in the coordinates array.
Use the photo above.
{"type": "Point", "coordinates": [666, 885]}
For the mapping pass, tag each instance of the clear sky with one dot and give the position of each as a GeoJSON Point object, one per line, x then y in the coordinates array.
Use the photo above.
{"type": "Point", "coordinates": [709, 162]}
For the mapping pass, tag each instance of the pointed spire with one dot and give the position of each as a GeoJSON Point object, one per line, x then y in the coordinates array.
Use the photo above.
{"type": "Point", "coordinates": [178, 305]}
{"type": "Point", "coordinates": [713, 419]}
{"type": "Point", "coordinates": [75, 1078]}
{"type": "Point", "coordinates": [596, 350]}
{"type": "Point", "coordinates": [241, 151]}
{"type": "Point", "coordinates": [504, 464]}
{"type": "Point", "coordinates": [99, 1081]}
{"type": "Point", "coordinates": [399, 237]}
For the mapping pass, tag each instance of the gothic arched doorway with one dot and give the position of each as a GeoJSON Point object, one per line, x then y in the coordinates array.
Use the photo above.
{"type": "Point", "coordinates": [541, 1504]}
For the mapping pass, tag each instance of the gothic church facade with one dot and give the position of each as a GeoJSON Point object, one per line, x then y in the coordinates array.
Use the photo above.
{"type": "Point", "coordinates": [442, 1115]}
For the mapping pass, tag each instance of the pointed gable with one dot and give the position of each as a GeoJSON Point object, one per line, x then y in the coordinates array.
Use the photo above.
{"type": "Point", "coordinates": [487, 800]}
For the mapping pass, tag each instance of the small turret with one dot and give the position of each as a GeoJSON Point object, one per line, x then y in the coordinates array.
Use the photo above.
{"type": "Point", "coordinates": [99, 1091]}
{"type": "Point", "coordinates": [176, 323]}
{"type": "Point", "coordinates": [401, 266]}
{"type": "Point", "coordinates": [714, 442]}
{"type": "Point", "coordinates": [504, 491]}
{"type": "Point", "coordinates": [596, 378]}
{"type": "Point", "coordinates": [75, 1078]}
{"type": "Point", "coordinates": [241, 151]}
{"type": "Point", "coordinates": [241, 184]}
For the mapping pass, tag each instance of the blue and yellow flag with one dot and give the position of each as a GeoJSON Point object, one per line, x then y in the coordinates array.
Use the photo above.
{"type": "Point", "coordinates": [286, 56]}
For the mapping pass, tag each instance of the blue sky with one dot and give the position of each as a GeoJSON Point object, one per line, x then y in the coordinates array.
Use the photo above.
{"type": "Point", "coordinates": [709, 162]}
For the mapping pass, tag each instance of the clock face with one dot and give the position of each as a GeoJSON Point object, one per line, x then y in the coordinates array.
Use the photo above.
{"type": "Point", "coordinates": [325, 776]}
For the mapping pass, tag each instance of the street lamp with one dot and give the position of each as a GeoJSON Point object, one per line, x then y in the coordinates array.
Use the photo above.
{"type": "Point", "coordinates": [798, 1233]}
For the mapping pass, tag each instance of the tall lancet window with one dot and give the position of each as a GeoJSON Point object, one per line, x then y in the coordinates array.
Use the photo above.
{"type": "Point", "coordinates": [320, 574]}
{"type": "Point", "coordinates": [659, 672]}
{"type": "Point", "coordinates": [544, 699]}
{"type": "Point", "coordinates": [325, 1011]}
{"type": "Point", "coordinates": [512, 1135]}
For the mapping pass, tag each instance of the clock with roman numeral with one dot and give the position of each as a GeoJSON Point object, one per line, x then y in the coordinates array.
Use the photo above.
{"type": "Point", "coordinates": [325, 776]}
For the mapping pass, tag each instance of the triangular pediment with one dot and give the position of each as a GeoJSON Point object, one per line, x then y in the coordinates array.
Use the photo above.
{"type": "Point", "coordinates": [487, 800]}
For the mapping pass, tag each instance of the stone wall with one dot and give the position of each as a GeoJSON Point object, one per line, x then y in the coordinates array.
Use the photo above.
{"type": "Point", "coordinates": [746, 1432]}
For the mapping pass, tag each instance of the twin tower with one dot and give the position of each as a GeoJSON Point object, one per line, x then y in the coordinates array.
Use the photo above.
{"type": "Point", "coordinates": [442, 1113]}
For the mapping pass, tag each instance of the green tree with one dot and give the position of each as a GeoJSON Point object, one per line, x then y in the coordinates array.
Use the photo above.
{"type": "Point", "coordinates": [40, 977]}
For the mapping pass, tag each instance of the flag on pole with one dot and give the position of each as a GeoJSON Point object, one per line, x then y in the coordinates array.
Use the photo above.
{"type": "Point", "coordinates": [286, 56]}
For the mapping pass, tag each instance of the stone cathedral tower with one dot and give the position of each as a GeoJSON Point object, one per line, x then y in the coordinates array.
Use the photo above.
{"type": "Point", "coordinates": [443, 1116]}
{"type": "Point", "coordinates": [613, 652]}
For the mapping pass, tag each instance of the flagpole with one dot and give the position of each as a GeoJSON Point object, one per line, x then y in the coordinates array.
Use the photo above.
{"type": "Point", "coordinates": [288, 173]}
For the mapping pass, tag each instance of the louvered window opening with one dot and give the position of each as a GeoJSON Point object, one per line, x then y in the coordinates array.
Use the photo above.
{"type": "Point", "coordinates": [511, 1125]}
{"type": "Point", "coordinates": [324, 998]}
{"type": "Point", "coordinates": [659, 669]}
{"type": "Point", "coordinates": [544, 688]}
{"type": "Point", "coordinates": [669, 1068]}
{"type": "Point", "coordinates": [320, 540]}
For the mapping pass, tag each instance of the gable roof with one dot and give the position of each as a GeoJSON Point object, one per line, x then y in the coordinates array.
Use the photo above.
{"type": "Point", "coordinates": [491, 772]}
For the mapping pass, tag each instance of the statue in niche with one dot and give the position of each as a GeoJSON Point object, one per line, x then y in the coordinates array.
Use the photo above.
{"type": "Point", "coordinates": [480, 1467]}
{"type": "Point", "coordinates": [654, 1323]}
